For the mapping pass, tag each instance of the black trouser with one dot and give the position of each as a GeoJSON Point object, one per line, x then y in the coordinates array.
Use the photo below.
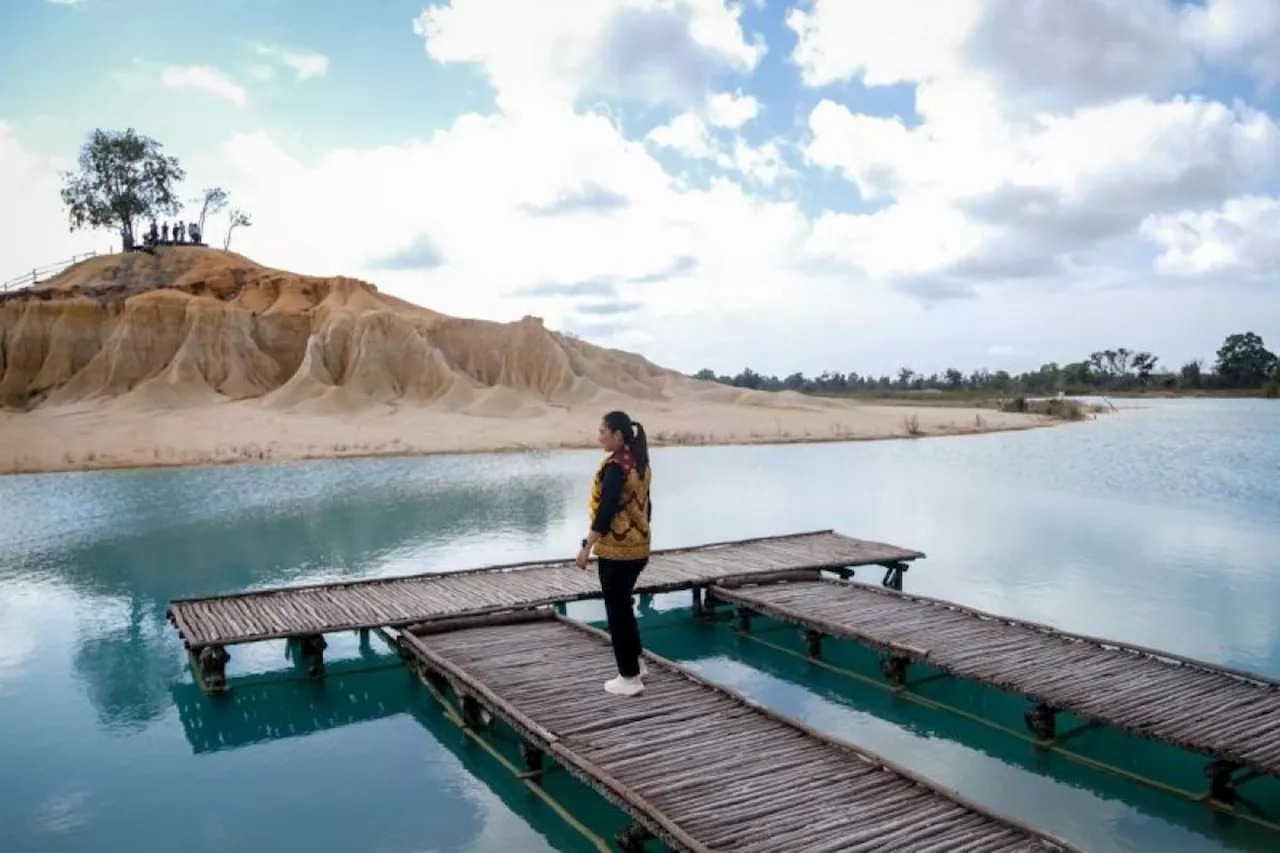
{"type": "Point", "coordinates": [617, 580]}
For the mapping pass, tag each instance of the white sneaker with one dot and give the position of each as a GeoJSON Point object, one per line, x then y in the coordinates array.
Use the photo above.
{"type": "Point", "coordinates": [622, 686]}
{"type": "Point", "coordinates": [644, 670]}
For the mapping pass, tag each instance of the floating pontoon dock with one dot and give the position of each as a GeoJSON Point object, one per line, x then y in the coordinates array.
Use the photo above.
{"type": "Point", "coordinates": [694, 764]}
{"type": "Point", "coordinates": [1224, 713]}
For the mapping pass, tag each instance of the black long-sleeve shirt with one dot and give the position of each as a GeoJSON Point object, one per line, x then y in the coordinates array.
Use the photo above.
{"type": "Point", "coordinates": [610, 498]}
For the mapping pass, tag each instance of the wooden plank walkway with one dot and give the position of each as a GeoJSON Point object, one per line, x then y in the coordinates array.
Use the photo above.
{"type": "Point", "coordinates": [699, 766]}
{"type": "Point", "coordinates": [1224, 713]}
{"type": "Point", "coordinates": [302, 611]}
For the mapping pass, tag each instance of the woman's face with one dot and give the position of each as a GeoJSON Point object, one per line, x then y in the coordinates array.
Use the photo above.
{"type": "Point", "coordinates": [610, 440]}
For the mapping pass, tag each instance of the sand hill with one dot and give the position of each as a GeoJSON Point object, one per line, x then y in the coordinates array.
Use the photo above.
{"type": "Point", "coordinates": [194, 355]}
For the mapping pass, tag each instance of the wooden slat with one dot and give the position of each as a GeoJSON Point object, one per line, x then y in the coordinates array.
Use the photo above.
{"type": "Point", "coordinates": [396, 602]}
{"type": "Point", "coordinates": [1215, 710]}
{"type": "Point", "coordinates": [703, 767]}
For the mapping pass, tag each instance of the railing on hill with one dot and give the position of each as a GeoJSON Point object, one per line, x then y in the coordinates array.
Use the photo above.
{"type": "Point", "coordinates": [45, 272]}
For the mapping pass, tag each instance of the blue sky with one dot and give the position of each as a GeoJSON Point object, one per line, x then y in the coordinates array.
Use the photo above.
{"type": "Point", "coordinates": [836, 184]}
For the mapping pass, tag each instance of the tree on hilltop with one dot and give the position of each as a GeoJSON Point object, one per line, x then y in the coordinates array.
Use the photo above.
{"type": "Point", "coordinates": [122, 177]}
{"type": "Point", "coordinates": [211, 201]}
{"type": "Point", "coordinates": [239, 219]}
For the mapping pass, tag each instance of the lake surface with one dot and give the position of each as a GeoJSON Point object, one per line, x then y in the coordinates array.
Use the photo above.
{"type": "Point", "coordinates": [1158, 525]}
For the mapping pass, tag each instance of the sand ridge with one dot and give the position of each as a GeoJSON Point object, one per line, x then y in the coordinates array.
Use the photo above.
{"type": "Point", "coordinates": [197, 355]}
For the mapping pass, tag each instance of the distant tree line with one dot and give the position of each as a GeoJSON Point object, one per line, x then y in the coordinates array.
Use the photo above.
{"type": "Point", "coordinates": [1243, 363]}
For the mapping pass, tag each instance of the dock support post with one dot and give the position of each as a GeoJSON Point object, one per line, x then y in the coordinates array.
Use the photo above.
{"type": "Point", "coordinates": [631, 839]}
{"type": "Point", "coordinates": [212, 662]}
{"type": "Point", "coordinates": [744, 619]}
{"type": "Point", "coordinates": [709, 602]}
{"type": "Point", "coordinates": [894, 668]}
{"type": "Point", "coordinates": [813, 642]}
{"type": "Point", "coordinates": [1042, 721]}
{"type": "Point", "coordinates": [893, 573]}
{"type": "Point", "coordinates": [697, 601]}
{"type": "Point", "coordinates": [845, 573]}
{"type": "Point", "coordinates": [472, 712]}
{"type": "Point", "coordinates": [436, 680]}
{"type": "Point", "coordinates": [1222, 787]}
{"type": "Point", "coordinates": [562, 607]}
{"type": "Point", "coordinates": [533, 758]}
{"type": "Point", "coordinates": [312, 647]}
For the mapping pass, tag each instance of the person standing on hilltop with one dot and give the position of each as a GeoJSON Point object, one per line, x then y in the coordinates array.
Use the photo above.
{"type": "Point", "coordinates": [621, 512]}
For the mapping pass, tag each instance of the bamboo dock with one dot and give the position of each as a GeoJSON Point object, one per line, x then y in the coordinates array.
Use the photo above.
{"type": "Point", "coordinates": [1226, 714]}
{"type": "Point", "coordinates": [694, 764]}
{"type": "Point", "coordinates": [207, 625]}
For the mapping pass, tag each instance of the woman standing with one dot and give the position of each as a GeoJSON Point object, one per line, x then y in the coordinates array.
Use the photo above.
{"type": "Point", "coordinates": [620, 516]}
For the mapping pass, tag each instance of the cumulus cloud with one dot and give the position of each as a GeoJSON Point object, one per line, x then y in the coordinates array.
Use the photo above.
{"type": "Point", "coordinates": [33, 229]}
{"type": "Point", "coordinates": [204, 78]}
{"type": "Point", "coordinates": [1034, 154]}
{"type": "Point", "coordinates": [1241, 237]}
{"type": "Point", "coordinates": [1055, 54]}
{"type": "Point", "coordinates": [732, 109]}
{"type": "Point", "coordinates": [657, 51]}
{"type": "Point", "coordinates": [1240, 34]}
{"type": "Point", "coordinates": [686, 134]}
{"type": "Point", "coordinates": [882, 43]}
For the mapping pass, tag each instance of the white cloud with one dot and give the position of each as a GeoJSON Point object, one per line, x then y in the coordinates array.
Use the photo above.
{"type": "Point", "coordinates": [883, 43]}
{"type": "Point", "coordinates": [1045, 54]}
{"type": "Point", "coordinates": [879, 155]}
{"type": "Point", "coordinates": [33, 228]}
{"type": "Point", "coordinates": [1240, 33]}
{"type": "Point", "coordinates": [1024, 164]}
{"type": "Point", "coordinates": [1241, 237]}
{"type": "Point", "coordinates": [762, 164]}
{"type": "Point", "coordinates": [732, 109]}
{"type": "Point", "coordinates": [471, 190]}
{"type": "Point", "coordinates": [66, 2]}
{"type": "Point", "coordinates": [305, 64]}
{"type": "Point", "coordinates": [686, 134]}
{"type": "Point", "coordinates": [651, 50]}
{"type": "Point", "coordinates": [262, 73]}
{"type": "Point", "coordinates": [206, 79]}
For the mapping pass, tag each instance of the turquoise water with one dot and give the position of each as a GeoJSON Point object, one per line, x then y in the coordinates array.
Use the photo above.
{"type": "Point", "coordinates": [1157, 526]}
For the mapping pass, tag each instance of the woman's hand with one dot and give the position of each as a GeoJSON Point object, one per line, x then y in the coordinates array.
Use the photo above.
{"type": "Point", "coordinates": [583, 557]}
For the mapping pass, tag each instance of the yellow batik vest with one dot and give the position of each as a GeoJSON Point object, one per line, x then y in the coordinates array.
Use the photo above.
{"type": "Point", "coordinates": [628, 536]}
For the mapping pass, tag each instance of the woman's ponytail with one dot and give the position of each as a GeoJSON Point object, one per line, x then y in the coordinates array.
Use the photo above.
{"type": "Point", "coordinates": [640, 447]}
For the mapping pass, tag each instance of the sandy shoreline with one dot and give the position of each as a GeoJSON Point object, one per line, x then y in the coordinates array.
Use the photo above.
{"type": "Point", "coordinates": [104, 436]}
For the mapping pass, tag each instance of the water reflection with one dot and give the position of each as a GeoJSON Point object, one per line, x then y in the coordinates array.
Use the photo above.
{"type": "Point", "coordinates": [196, 554]}
{"type": "Point", "coordinates": [481, 806]}
{"type": "Point", "coordinates": [394, 519]}
{"type": "Point", "coordinates": [127, 670]}
{"type": "Point", "coordinates": [283, 704]}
